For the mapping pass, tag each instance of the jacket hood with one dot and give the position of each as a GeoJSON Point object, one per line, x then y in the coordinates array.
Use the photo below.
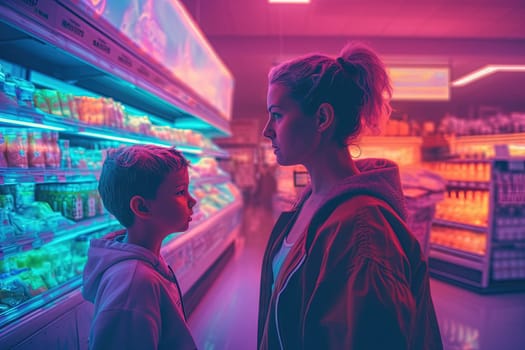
{"type": "Point", "coordinates": [378, 178]}
{"type": "Point", "coordinates": [110, 250]}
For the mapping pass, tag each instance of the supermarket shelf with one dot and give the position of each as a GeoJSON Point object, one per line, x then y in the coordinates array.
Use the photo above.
{"type": "Point", "coordinates": [457, 257]}
{"type": "Point", "coordinates": [35, 305]}
{"type": "Point", "coordinates": [36, 175]}
{"type": "Point", "coordinates": [48, 238]}
{"type": "Point", "coordinates": [471, 185]}
{"type": "Point", "coordinates": [116, 70]}
{"type": "Point", "coordinates": [475, 228]}
{"type": "Point", "coordinates": [34, 118]}
{"type": "Point", "coordinates": [492, 139]}
{"type": "Point", "coordinates": [391, 140]}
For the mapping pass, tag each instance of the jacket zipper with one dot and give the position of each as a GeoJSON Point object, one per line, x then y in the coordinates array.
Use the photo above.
{"type": "Point", "coordinates": [279, 295]}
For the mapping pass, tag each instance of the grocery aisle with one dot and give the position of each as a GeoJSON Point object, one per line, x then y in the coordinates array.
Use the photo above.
{"type": "Point", "coordinates": [226, 318]}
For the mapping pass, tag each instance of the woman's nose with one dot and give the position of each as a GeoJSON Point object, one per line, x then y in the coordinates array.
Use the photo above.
{"type": "Point", "coordinates": [268, 130]}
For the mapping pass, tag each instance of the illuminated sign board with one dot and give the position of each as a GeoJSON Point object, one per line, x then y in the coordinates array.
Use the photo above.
{"type": "Point", "coordinates": [420, 83]}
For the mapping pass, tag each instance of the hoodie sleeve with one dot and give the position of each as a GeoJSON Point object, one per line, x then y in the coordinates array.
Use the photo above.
{"type": "Point", "coordinates": [361, 298]}
{"type": "Point", "coordinates": [128, 316]}
{"type": "Point", "coordinates": [124, 329]}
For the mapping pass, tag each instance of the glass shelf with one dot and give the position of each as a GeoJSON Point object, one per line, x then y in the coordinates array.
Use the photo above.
{"type": "Point", "coordinates": [22, 244]}
{"type": "Point", "coordinates": [33, 118]}
{"type": "Point", "coordinates": [460, 225]}
{"type": "Point", "coordinates": [38, 176]}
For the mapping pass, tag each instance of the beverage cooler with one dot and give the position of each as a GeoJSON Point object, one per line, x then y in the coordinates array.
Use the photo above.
{"type": "Point", "coordinates": [77, 78]}
{"type": "Point", "coordinates": [467, 209]}
{"type": "Point", "coordinates": [478, 234]}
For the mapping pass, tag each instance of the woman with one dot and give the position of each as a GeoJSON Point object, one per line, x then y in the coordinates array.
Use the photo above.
{"type": "Point", "coordinates": [341, 269]}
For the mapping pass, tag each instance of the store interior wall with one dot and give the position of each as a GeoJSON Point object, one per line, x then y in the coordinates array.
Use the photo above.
{"type": "Point", "coordinates": [252, 35]}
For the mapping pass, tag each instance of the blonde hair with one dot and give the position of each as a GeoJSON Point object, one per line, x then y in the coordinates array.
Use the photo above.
{"type": "Point", "coordinates": [356, 84]}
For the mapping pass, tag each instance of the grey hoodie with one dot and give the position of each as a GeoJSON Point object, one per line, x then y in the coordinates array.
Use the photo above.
{"type": "Point", "coordinates": [137, 301]}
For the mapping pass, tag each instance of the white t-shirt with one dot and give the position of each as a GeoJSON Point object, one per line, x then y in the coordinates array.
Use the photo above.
{"type": "Point", "coordinates": [278, 260]}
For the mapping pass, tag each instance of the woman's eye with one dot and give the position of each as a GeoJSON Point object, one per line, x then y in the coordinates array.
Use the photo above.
{"type": "Point", "coordinates": [180, 193]}
{"type": "Point", "coordinates": [275, 115]}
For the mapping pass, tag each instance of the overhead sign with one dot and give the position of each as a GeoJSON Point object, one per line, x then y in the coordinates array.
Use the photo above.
{"type": "Point", "coordinates": [420, 83]}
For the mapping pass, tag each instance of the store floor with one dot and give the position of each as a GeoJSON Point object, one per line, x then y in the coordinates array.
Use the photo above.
{"type": "Point", "coordinates": [226, 317]}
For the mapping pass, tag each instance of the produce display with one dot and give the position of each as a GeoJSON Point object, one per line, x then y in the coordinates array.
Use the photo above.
{"type": "Point", "coordinates": [40, 245]}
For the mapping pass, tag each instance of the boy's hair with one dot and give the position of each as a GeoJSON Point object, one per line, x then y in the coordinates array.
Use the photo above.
{"type": "Point", "coordinates": [136, 170]}
{"type": "Point", "coordinates": [356, 84]}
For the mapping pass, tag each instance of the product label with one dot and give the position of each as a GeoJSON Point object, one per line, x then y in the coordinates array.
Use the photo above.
{"type": "Point", "coordinates": [72, 26]}
{"type": "Point", "coordinates": [101, 45]}
{"type": "Point", "coordinates": [36, 8]}
{"type": "Point", "coordinates": [125, 60]}
{"type": "Point", "coordinates": [158, 80]}
{"type": "Point", "coordinates": [143, 71]}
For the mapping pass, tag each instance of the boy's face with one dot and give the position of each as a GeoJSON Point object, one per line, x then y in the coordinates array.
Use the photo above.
{"type": "Point", "coordinates": [172, 207]}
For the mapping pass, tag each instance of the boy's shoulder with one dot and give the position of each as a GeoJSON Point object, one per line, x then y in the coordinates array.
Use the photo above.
{"type": "Point", "coordinates": [133, 272]}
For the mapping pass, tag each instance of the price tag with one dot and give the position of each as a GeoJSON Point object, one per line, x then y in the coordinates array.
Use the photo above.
{"type": "Point", "coordinates": [101, 45]}
{"type": "Point", "coordinates": [143, 71]}
{"type": "Point", "coordinates": [43, 11]}
{"type": "Point", "coordinates": [124, 59]}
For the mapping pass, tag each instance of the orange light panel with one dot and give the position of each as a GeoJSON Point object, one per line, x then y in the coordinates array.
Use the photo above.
{"type": "Point", "coordinates": [420, 83]}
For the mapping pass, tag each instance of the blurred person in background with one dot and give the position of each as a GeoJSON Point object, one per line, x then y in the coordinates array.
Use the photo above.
{"type": "Point", "coordinates": [266, 187]}
{"type": "Point", "coordinates": [341, 269]}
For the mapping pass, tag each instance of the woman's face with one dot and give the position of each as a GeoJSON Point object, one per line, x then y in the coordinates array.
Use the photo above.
{"type": "Point", "coordinates": [293, 134]}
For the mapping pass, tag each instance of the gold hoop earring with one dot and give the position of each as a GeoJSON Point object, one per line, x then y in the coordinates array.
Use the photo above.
{"type": "Point", "coordinates": [355, 150]}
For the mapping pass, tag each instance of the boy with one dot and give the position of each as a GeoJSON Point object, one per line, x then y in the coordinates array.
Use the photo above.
{"type": "Point", "coordinates": [138, 303]}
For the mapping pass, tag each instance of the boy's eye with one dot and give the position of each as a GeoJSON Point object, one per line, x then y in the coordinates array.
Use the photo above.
{"type": "Point", "coordinates": [180, 193]}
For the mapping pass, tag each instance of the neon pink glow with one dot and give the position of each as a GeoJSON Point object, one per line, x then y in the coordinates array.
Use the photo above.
{"type": "Point", "coordinates": [487, 70]}
{"type": "Point", "coordinates": [289, 1]}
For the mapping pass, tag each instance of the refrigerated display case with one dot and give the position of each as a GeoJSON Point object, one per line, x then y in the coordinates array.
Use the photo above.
{"type": "Point", "coordinates": [478, 235]}
{"type": "Point", "coordinates": [74, 83]}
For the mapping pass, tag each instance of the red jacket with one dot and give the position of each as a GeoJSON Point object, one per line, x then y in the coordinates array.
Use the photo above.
{"type": "Point", "coordinates": [355, 280]}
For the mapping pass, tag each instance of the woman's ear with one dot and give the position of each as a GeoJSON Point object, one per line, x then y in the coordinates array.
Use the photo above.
{"type": "Point", "coordinates": [139, 206]}
{"type": "Point", "coordinates": [325, 116]}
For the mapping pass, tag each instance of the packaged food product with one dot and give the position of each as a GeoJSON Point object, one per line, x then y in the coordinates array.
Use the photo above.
{"type": "Point", "coordinates": [3, 160]}
{"type": "Point", "coordinates": [65, 155]}
{"type": "Point", "coordinates": [16, 148]}
{"type": "Point", "coordinates": [53, 101]}
{"type": "Point", "coordinates": [72, 207]}
{"type": "Point", "coordinates": [72, 106]}
{"type": "Point", "coordinates": [36, 150]}
{"type": "Point", "coordinates": [2, 78]}
{"type": "Point", "coordinates": [40, 101]}
{"type": "Point", "coordinates": [24, 92]}
{"type": "Point", "coordinates": [10, 88]}
{"type": "Point", "coordinates": [64, 104]}
{"type": "Point", "coordinates": [25, 194]}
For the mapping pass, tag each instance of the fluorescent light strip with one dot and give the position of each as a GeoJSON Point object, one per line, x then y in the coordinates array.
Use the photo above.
{"type": "Point", "coordinates": [31, 124]}
{"type": "Point", "coordinates": [289, 1]}
{"type": "Point", "coordinates": [189, 149]}
{"type": "Point", "coordinates": [184, 149]}
{"type": "Point", "coordinates": [487, 70]}
{"type": "Point", "coordinates": [109, 137]}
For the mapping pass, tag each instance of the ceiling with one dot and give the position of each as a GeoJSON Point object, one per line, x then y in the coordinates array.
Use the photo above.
{"type": "Point", "coordinates": [252, 35]}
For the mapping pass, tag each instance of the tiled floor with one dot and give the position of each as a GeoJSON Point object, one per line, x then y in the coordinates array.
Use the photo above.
{"type": "Point", "coordinates": [227, 315]}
